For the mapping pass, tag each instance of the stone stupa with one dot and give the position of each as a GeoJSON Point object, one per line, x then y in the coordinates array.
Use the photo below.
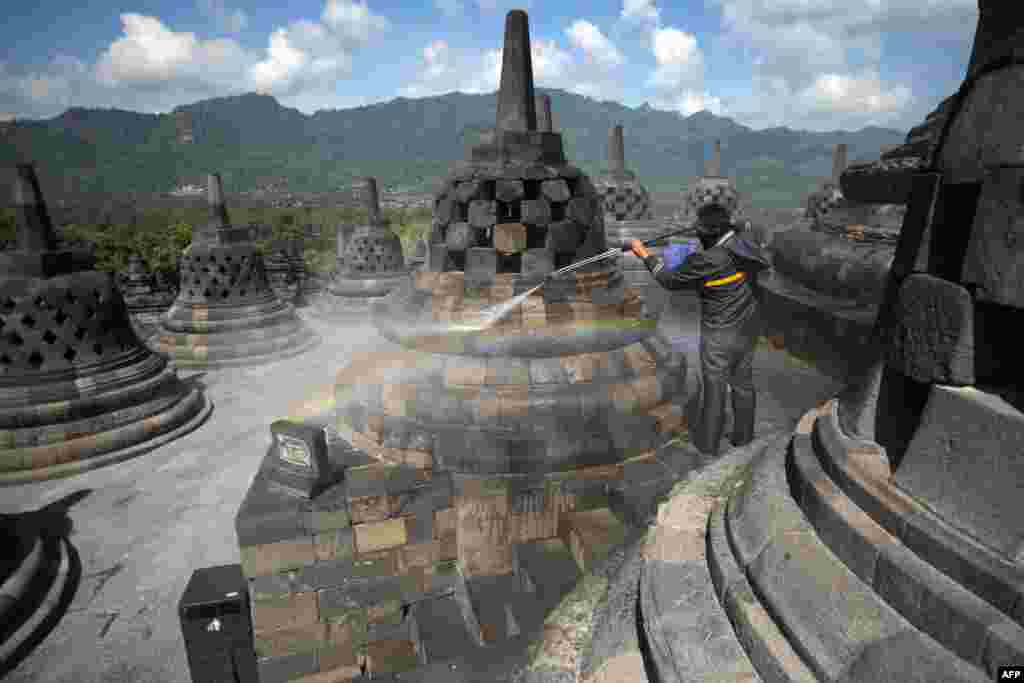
{"type": "Point", "coordinates": [627, 215]}
{"type": "Point", "coordinates": [226, 313]}
{"type": "Point", "coordinates": [884, 539]}
{"type": "Point", "coordinates": [146, 304]}
{"type": "Point", "coordinates": [472, 455]}
{"type": "Point", "coordinates": [822, 296]}
{"type": "Point", "coordinates": [710, 188]}
{"type": "Point", "coordinates": [78, 389]}
{"type": "Point", "coordinates": [370, 261]}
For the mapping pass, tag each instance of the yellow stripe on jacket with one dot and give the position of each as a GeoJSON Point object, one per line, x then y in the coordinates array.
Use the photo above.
{"type": "Point", "coordinates": [725, 280]}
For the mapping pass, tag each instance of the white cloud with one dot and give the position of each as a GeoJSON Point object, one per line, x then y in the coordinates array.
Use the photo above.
{"type": "Point", "coordinates": [854, 95]}
{"type": "Point", "coordinates": [353, 21]}
{"type": "Point", "coordinates": [445, 69]}
{"type": "Point", "coordinates": [640, 11]}
{"type": "Point", "coordinates": [596, 47]}
{"type": "Point", "coordinates": [680, 60]}
{"type": "Point", "coordinates": [229, 20]}
{"type": "Point", "coordinates": [149, 51]}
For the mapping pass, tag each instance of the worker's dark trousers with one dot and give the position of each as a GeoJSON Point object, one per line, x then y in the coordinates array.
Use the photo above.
{"type": "Point", "coordinates": [726, 358]}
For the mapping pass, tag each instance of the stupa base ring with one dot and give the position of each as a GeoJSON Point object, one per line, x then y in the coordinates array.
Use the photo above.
{"type": "Point", "coordinates": [188, 352]}
{"type": "Point", "coordinates": [367, 287]}
{"type": "Point", "coordinates": [106, 447]}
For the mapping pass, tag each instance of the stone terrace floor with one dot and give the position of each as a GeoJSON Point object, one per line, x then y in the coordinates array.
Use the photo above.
{"type": "Point", "coordinates": [149, 522]}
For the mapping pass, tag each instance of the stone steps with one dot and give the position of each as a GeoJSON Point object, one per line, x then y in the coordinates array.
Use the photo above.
{"type": "Point", "coordinates": [838, 625]}
{"type": "Point", "coordinates": [861, 470]}
{"type": "Point", "coordinates": [927, 598]}
{"type": "Point", "coordinates": [34, 598]}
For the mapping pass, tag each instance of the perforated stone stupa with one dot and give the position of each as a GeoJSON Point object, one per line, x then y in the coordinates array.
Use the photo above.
{"type": "Point", "coordinates": [78, 389]}
{"type": "Point", "coordinates": [370, 260]}
{"type": "Point", "coordinates": [146, 304]}
{"type": "Point", "coordinates": [896, 507]}
{"type": "Point", "coordinates": [226, 313]}
{"type": "Point", "coordinates": [471, 449]}
{"type": "Point", "coordinates": [710, 188]}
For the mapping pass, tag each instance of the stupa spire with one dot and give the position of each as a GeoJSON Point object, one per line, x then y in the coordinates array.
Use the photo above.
{"type": "Point", "coordinates": [545, 124]}
{"type": "Point", "coordinates": [35, 231]}
{"type": "Point", "coordinates": [838, 163]}
{"type": "Point", "coordinates": [371, 200]}
{"type": "Point", "coordinates": [713, 166]}
{"type": "Point", "coordinates": [616, 152]}
{"type": "Point", "coordinates": [516, 104]}
{"type": "Point", "coordinates": [215, 200]}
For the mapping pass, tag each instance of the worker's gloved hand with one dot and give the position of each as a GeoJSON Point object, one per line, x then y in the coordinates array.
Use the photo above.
{"type": "Point", "coordinates": [638, 248]}
{"type": "Point", "coordinates": [675, 254]}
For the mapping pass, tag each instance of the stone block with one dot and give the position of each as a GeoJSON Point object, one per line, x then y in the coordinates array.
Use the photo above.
{"type": "Point", "coordinates": [329, 511]}
{"type": "Point", "coordinates": [483, 213]}
{"type": "Point", "coordinates": [510, 238]}
{"type": "Point", "coordinates": [272, 558]}
{"type": "Point", "coordinates": [333, 545]}
{"type": "Point", "coordinates": [287, 668]}
{"type": "Point", "coordinates": [338, 655]}
{"type": "Point", "coordinates": [391, 656]}
{"type": "Point", "coordinates": [581, 210]}
{"type": "Point", "coordinates": [564, 237]}
{"type": "Point", "coordinates": [966, 461]}
{"type": "Point", "coordinates": [932, 339]}
{"type": "Point", "coordinates": [272, 586]}
{"type": "Point", "coordinates": [535, 212]}
{"type": "Point", "coordinates": [995, 251]}
{"type": "Point", "coordinates": [283, 642]}
{"type": "Point", "coordinates": [374, 508]}
{"type": "Point", "coordinates": [381, 535]}
{"type": "Point", "coordinates": [508, 190]}
{"type": "Point", "coordinates": [348, 604]}
{"type": "Point", "coordinates": [537, 263]}
{"type": "Point", "coordinates": [326, 574]}
{"type": "Point", "coordinates": [444, 211]}
{"type": "Point", "coordinates": [460, 236]}
{"type": "Point", "coordinates": [556, 190]}
{"type": "Point", "coordinates": [481, 266]}
{"type": "Point", "coordinates": [293, 611]}
{"type": "Point", "coordinates": [468, 190]}
{"type": "Point", "coordinates": [437, 260]}
{"type": "Point", "coordinates": [254, 526]}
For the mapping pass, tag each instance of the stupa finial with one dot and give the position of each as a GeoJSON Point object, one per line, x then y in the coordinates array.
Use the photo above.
{"type": "Point", "coordinates": [35, 231]}
{"type": "Point", "coordinates": [713, 167]}
{"type": "Point", "coordinates": [838, 163]}
{"type": "Point", "coordinates": [545, 124]}
{"type": "Point", "coordinates": [215, 200]}
{"type": "Point", "coordinates": [616, 152]}
{"type": "Point", "coordinates": [371, 200]}
{"type": "Point", "coordinates": [516, 103]}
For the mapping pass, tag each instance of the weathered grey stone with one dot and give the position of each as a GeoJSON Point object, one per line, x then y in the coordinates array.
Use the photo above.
{"type": "Point", "coordinates": [535, 212]}
{"type": "Point", "coordinates": [537, 263]}
{"type": "Point", "coordinates": [933, 335]}
{"type": "Point", "coordinates": [481, 266]}
{"type": "Point", "coordinates": [966, 461]}
{"type": "Point", "coordinates": [564, 237]}
{"type": "Point", "coordinates": [556, 190]}
{"type": "Point", "coordinates": [581, 210]}
{"type": "Point", "coordinates": [288, 667]}
{"type": "Point", "coordinates": [508, 190]}
{"type": "Point", "coordinates": [438, 259]}
{"type": "Point", "coordinates": [483, 213]}
{"type": "Point", "coordinates": [516, 104]}
{"type": "Point", "coordinates": [545, 123]}
{"type": "Point", "coordinates": [460, 236]}
{"type": "Point", "coordinates": [995, 252]}
{"type": "Point", "coordinates": [468, 190]}
{"type": "Point", "coordinates": [443, 211]}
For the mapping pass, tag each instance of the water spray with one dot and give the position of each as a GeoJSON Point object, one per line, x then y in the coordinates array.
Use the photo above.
{"type": "Point", "coordinates": [497, 312]}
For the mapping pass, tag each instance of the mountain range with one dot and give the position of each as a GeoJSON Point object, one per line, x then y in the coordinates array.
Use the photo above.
{"type": "Point", "coordinates": [407, 144]}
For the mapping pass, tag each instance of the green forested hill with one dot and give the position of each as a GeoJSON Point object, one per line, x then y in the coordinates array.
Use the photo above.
{"type": "Point", "coordinates": [405, 143]}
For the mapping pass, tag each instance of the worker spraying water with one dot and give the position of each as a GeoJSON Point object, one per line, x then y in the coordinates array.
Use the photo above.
{"type": "Point", "coordinates": [724, 274]}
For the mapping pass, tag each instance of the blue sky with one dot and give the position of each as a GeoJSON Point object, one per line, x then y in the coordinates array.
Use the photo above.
{"type": "Point", "coordinates": [806, 64]}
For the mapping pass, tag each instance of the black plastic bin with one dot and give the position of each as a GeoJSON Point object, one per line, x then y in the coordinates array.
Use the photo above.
{"type": "Point", "coordinates": [217, 627]}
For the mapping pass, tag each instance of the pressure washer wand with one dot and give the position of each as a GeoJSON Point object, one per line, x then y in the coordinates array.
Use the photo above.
{"type": "Point", "coordinates": [615, 252]}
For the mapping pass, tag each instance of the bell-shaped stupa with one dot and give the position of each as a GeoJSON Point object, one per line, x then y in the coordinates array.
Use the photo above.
{"type": "Point", "coordinates": [78, 389]}
{"type": "Point", "coordinates": [481, 443]}
{"type": "Point", "coordinates": [370, 260]}
{"type": "Point", "coordinates": [712, 188]}
{"type": "Point", "coordinates": [146, 304]}
{"type": "Point", "coordinates": [226, 313]}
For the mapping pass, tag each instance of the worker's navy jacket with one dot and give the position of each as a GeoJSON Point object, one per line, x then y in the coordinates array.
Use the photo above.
{"type": "Point", "coordinates": [724, 275]}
